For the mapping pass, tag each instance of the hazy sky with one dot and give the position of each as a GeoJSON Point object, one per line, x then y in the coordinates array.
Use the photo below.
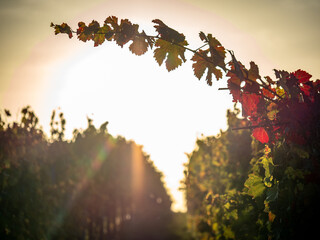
{"type": "Point", "coordinates": [163, 111]}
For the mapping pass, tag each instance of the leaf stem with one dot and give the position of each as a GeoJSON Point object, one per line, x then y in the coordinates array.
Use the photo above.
{"type": "Point", "coordinates": [257, 126]}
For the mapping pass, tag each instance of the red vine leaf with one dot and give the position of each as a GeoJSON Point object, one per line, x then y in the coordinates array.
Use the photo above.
{"type": "Point", "coordinates": [302, 76]}
{"type": "Point", "coordinates": [250, 104]}
{"type": "Point", "coordinates": [261, 135]}
{"type": "Point", "coordinates": [234, 86]}
{"type": "Point", "coordinates": [269, 93]}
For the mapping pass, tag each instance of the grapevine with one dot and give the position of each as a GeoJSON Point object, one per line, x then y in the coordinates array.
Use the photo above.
{"type": "Point", "coordinates": [275, 108]}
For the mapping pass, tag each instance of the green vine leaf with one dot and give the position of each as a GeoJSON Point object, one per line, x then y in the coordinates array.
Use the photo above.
{"type": "Point", "coordinates": [255, 186]}
{"type": "Point", "coordinates": [63, 28]}
{"type": "Point", "coordinates": [272, 193]}
{"type": "Point", "coordinates": [100, 36]}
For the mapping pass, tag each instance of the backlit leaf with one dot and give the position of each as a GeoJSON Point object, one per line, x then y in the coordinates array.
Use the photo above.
{"type": "Point", "coordinates": [172, 53]}
{"type": "Point", "coordinates": [267, 163]}
{"type": "Point", "coordinates": [255, 185]}
{"type": "Point", "coordinates": [100, 36]}
{"type": "Point", "coordinates": [217, 52]}
{"type": "Point", "coordinates": [272, 111]}
{"type": "Point", "coordinates": [203, 63]}
{"type": "Point", "coordinates": [203, 37]}
{"type": "Point", "coordinates": [113, 22]}
{"type": "Point", "coordinates": [126, 32]}
{"type": "Point", "coordinates": [270, 92]}
{"type": "Point", "coordinates": [250, 104]}
{"type": "Point", "coordinates": [167, 33]}
{"type": "Point", "coordinates": [63, 28]}
{"type": "Point", "coordinates": [260, 134]}
{"type": "Point", "coordinates": [271, 216]}
{"type": "Point", "coordinates": [234, 86]}
{"type": "Point", "coordinates": [86, 33]}
{"type": "Point", "coordinates": [82, 34]}
{"type": "Point", "coordinates": [139, 45]}
{"type": "Point", "coordinates": [302, 76]}
{"type": "Point", "coordinates": [253, 73]}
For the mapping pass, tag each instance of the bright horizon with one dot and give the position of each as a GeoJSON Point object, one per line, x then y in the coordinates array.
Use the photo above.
{"type": "Point", "coordinates": [164, 112]}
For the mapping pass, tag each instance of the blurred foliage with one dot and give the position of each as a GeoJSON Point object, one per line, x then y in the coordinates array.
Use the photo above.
{"type": "Point", "coordinates": [238, 188]}
{"type": "Point", "coordinates": [95, 186]}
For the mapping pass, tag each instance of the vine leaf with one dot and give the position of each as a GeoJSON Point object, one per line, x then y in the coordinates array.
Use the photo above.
{"type": "Point", "coordinates": [167, 33]}
{"type": "Point", "coordinates": [303, 76]}
{"type": "Point", "coordinates": [113, 21]}
{"type": "Point", "coordinates": [253, 73]}
{"type": "Point", "coordinates": [101, 35]}
{"type": "Point", "coordinates": [63, 28]}
{"type": "Point", "coordinates": [261, 135]}
{"type": "Point", "coordinates": [250, 103]}
{"type": "Point", "coordinates": [251, 85]}
{"type": "Point", "coordinates": [139, 45]}
{"type": "Point", "coordinates": [172, 53]}
{"type": "Point", "coordinates": [234, 86]}
{"type": "Point", "coordinates": [255, 185]}
{"type": "Point", "coordinates": [217, 52]}
{"type": "Point", "coordinates": [304, 81]}
{"type": "Point", "coordinates": [270, 93]}
{"type": "Point", "coordinates": [126, 32]}
{"type": "Point", "coordinates": [202, 62]}
{"type": "Point", "coordinates": [86, 33]}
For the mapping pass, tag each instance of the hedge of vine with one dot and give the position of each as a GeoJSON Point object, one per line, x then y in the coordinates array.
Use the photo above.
{"type": "Point", "coordinates": [95, 186]}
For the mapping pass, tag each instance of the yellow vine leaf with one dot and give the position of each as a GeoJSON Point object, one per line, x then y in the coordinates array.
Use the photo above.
{"type": "Point", "coordinates": [201, 64]}
{"type": "Point", "coordinates": [173, 54]}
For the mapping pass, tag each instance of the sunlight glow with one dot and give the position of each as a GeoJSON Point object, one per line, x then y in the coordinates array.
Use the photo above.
{"type": "Point", "coordinates": [137, 172]}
